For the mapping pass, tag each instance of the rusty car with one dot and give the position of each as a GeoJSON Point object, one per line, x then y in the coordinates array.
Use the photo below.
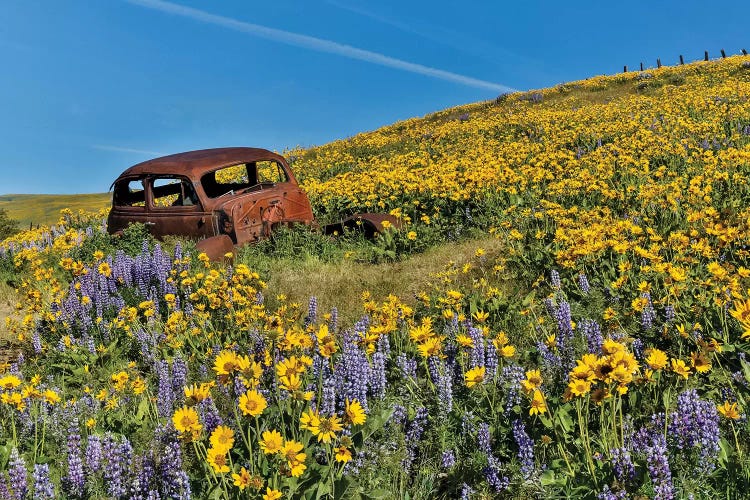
{"type": "Point", "coordinates": [224, 197]}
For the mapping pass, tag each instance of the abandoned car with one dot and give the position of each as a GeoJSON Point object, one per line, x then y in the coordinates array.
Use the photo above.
{"type": "Point", "coordinates": [224, 197]}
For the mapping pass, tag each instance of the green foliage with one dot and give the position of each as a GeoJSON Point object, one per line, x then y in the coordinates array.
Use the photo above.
{"type": "Point", "coordinates": [8, 226]}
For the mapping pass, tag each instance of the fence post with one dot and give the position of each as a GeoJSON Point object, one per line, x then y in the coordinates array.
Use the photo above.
{"type": "Point", "coordinates": [682, 61]}
{"type": "Point", "coordinates": [705, 55]}
{"type": "Point", "coordinates": [658, 62]}
{"type": "Point", "coordinates": [641, 66]}
{"type": "Point", "coordinates": [744, 52]}
{"type": "Point", "coordinates": [723, 54]}
{"type": "Point", "coordinates": [625, 69]}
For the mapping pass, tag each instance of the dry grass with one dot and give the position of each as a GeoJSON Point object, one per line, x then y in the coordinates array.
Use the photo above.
{"type": "Point", "coordinates": [7, 302]}
{"type": "Point", "coordinates": [341, 284]}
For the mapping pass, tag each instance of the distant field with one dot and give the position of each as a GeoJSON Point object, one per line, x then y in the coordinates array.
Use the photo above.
{"type": "Point", "coordinates": [45, 208]}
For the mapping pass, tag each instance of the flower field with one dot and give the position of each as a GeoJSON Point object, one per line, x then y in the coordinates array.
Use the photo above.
{"type": "Point", "coordinates": [601, 353]}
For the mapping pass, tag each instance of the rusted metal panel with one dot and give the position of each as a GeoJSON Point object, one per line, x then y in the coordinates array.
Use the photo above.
{"type": "Point", "coordinates": [216, 247]}
{"type": "Point", "coordinates": [370, 224]}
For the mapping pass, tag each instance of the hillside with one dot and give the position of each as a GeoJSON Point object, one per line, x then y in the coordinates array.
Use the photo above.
{"type": "Point", "coordinates": [564, 313]}
{"type": "Point", "coordinates": [44, 209]}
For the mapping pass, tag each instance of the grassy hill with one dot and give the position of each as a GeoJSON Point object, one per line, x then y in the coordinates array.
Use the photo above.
{"type": "Point", "coordinates": [563, 313]}
{"type": "Point", "coordinates": [44, 209]}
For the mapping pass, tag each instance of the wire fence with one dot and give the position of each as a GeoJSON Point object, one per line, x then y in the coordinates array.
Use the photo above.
{"type": "Point", "coordinates": [682, 59]}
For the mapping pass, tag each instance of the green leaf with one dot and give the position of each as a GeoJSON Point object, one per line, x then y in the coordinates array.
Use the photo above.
{"type": "Point", "coordinates": [545, 420]}
{"type": "Point", "coordinates": [346, 487]}
{"type": "Point", "coordinates": [142, 409]}
{"type": "Point", "coordinates": [379, 494]}
{"type": "Point", "coordinates": [324, 490]}
{"type": "Point", "coordinates": [725, 451]}
{"type": "Point", "coordinates": [564, 419]}
{"type": "Point", "coordinates": [745, 369]}
{"type": "Point", "coordinates": [548, 477]}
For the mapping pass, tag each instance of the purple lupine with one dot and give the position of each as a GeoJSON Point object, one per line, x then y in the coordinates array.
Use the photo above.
{"type": "Point", "coordinates": [554, 278]}
{"type": "Point", "coordinates": [414, 433]}
{"type": "Point", "coordinates": [43, 488]}
{"type": "Point", "coordinates": [476, 353]}
{"type": "Point", "coordinates": [165, 395]}
{"type": "Point", "coordinates": [490, 362]}
{"type": "Point", "coordinates": [525, 448]}
{"type": "Point", "coordinates": [93, 454]}
{"type": "Point", "coordinates": [442, 381]}
{"type": "Point", "coordinates": [37, 343]}
{"type": "Point", "coordinates": [483, 438]}
{"type": "Point", "coordinates": [398, 417]}
{"type": "Point", "coordinates": [179, 376]}
{"type": "Point", "coordinates": [466, 491]}
{"type": "Point", "coordinates": [384, 345]}
{"type": "Point", "coordinates": [352, 371]}
{"type": "Point", "coordinates": [638, 348]}
{"type": "Point", "coordinates": [511, 378]}
{"type": "Point", "coordinates": [451, 327]}
{"type": "Point", "coordinates": [607, 494]}
{"type": "Point", "coordinates": [492, 476]}
{"type": "Point", "coordinates": [648, 314]}
{"type": "Point", "coordinates": [622, 465]}
{"type": "Point", "coordinates": [174, 481]}
{"type": "Point", "coordinates": [583, 283]}
{"type": "Point", "coordinates": [658, 467]}
{"type": "Point", "coordinates": [447, 459]}
{"type": "Point", "coordinates": [696, 424]}
{"type": "Point", "coordinates": [328, 401]}
{"type": "Point", "coordinates": [209, 414]}
{"type": "Point", "coordinates": [407, 365]}
{"type": "Point", "coordinates": [74, 480]}
{"type": "Point", "coordinates": [18, 475]}
{"type": "Point", "coordinates": [5, 493]}
{"type": "Point", "coordinates": [333, 323]}
{"type": "Point", "coordinates": [140, 487]}
{"type": "Point", "coordinates": [669, 313]}
{"type": "Point", "coordinates": [551, 363]}
{"type": "Point", "coordinates": [377, 380]}
{"type": "Point", "coordinates": [312, 311]}
{"type": "Point", "coordinates": [115, 470]}
{"type": "Point", "coordinates": [593, 334]}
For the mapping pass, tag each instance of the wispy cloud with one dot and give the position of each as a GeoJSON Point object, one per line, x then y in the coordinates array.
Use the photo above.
{"type": "Point", "coordinates": [118, 149]}
{"type": "Point", "coordinates": [464, 42]}
{"type": "Point", "coordinates": [317, 44]}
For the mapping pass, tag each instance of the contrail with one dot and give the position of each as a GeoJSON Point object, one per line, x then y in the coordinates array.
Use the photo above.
{"type": "Point", "coordinates": [318, 44]}
{"type": "Point", "coordinates": [104, 147]}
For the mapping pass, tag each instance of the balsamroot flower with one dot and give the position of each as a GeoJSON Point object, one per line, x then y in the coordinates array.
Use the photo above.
{"type": "Point", "coordinates": [253, 403]}
{"type": "Point", "coordinates": [295, 459]}
{"type": "Point", "coordinates": [271, 442]}
{"type": "Point", "coordinates": [538, 404]}
{"type": "Point", "coordinates": [355, 414]}
{"type": "Point", "coordinates": [222, 438]}
{"type": "Point", "coordinates": [218, 460]}
{"type": "Point", "coordinates": [186, 422]}
{"type": "Point", "coordinates": [474, 376]}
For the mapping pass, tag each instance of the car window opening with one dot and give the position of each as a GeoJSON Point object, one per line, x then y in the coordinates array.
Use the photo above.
{"type": "Point", "coordinates": [243, 177]}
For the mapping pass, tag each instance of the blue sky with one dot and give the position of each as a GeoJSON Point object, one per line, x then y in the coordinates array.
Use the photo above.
{"type": "Point", "coordinates": [90, 87]}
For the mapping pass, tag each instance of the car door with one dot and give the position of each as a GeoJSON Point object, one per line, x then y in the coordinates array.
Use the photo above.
{"type": "Point", "coordinates": [175, 209]}
{"type": "Point", "coordinates": [128, 204]}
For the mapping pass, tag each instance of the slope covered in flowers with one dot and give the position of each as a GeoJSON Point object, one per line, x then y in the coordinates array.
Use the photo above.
{"type": "Point", "coordinates": [601, 354]}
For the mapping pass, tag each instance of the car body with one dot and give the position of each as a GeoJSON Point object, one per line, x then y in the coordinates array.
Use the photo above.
{"type": "Point", "coordinates": [223, 197]}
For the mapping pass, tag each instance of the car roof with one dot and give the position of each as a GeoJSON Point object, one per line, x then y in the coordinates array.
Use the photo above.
{"type": "Point", "coordinates": [194, 164]}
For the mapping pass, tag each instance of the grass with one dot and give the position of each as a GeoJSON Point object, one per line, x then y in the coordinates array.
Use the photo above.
{"type": "Point", "coordinates": [341, 283]}
{"type": "Point", "coordinates": [44, 209]}
{"type": "Point", "coordinates": [7, 301]}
